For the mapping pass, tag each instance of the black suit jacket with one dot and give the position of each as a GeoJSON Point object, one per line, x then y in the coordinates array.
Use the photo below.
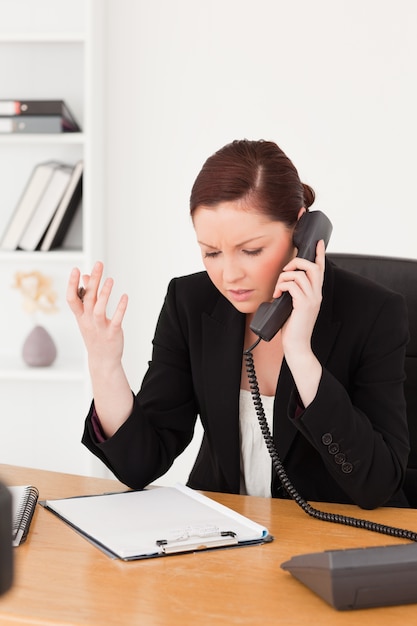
{"type": "Point", "coordinates": [349, 445]}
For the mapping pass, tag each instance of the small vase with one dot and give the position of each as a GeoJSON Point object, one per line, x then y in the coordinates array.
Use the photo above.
{"type": "Point", "coordinates": [39, 349]}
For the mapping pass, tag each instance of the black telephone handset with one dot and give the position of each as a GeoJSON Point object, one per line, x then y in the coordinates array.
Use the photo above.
{"type": "Point", "coordinates": [270, 316]}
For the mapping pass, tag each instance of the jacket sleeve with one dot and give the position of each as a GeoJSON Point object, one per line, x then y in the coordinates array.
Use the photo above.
{"type": "Point", "coordinates": [359, 425]}
{"type": "Point", "coordinates": [162, 421]}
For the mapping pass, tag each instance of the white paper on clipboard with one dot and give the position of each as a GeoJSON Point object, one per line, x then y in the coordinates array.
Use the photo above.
{"type": "Point", "coordinates": [155, 522]}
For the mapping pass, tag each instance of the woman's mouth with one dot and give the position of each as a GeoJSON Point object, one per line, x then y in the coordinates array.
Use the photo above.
{"type": "Point", "coordinates": [240, 295]}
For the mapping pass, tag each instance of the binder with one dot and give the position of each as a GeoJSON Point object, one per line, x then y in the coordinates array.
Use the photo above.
{"type": "Point", "coordinates": [35, 187]}
{"type": "Point", "coordinates": [40, 108]}
{"type": "Point", "coordinates": [24, 499]}
{"type": "Point", "coordinates": [31, 124]}
{"type": "Point", "coordinates": [156, 522]}
{"type": "Point", "coordinates": [64, 215]}
{"type": "Point", "coordinates": [46, 208]}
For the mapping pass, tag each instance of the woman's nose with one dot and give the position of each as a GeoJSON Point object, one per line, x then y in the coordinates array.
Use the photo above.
{"type": "Point", "coordinates": [232, 271]}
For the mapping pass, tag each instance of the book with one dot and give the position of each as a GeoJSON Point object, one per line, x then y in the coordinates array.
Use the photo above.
{"type": "Point", "coordinates": [32, 193]}
{"type": "Point", "coordinates": [46, 208]}
{"type": "Point", "coordinates": [40, 108]}
{"type": "Point", "coordinates": [73, 238]}
{"type": "Point", "coordinates": [157, 521]}
{"type": "Point", "coordinates": [65, 212]}
{"type": "Point", "coordinates": [31, 124]}
{"type": "Point", "coordinates": [24, 499]}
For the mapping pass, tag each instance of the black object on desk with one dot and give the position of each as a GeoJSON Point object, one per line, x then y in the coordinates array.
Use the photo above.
{"type": "Point", "coordinates": [6, 548]}
{"type": "Point", "coordinates": [359, 578]}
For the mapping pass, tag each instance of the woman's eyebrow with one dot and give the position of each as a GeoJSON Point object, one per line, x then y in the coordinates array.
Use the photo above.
{"type": "Point", "coordinates": [238, 245]}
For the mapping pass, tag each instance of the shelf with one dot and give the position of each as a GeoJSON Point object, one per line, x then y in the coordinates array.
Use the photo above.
{"type": "Point", "coordinates": [42, 38]}
{"type": "Point", "coordinates": [44, 55]}
{"type": "Point", "coordinates": [51, 256]}
{"type": "Point", "coordinates": [45, 138]}
{"type": "Point", "coordinates": [14, 369]}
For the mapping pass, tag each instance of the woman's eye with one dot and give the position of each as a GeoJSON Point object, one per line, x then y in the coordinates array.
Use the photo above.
{"type": "Point", "coordinates": [211, 255]}
{"type": "Point", "coordinates": [253, 252]}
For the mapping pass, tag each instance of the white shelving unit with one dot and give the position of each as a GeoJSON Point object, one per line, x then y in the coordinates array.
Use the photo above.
{"type": "Point", "coordinates": [46, 55]}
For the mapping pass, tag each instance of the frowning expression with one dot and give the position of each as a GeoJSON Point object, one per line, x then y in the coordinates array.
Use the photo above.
{"type": "Point", "coordinates": [243, 251]}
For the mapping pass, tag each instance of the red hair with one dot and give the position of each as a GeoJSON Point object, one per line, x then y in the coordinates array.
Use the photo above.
{"type": "Point", "coordinates": [256, 171]}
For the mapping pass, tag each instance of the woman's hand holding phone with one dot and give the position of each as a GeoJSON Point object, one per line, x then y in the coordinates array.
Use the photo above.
{"type": "Point", "coordinates": [303, 280]}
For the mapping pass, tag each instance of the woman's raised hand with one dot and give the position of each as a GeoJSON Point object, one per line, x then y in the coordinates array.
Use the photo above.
{"type": "Point", "coordinates": [103, 336]}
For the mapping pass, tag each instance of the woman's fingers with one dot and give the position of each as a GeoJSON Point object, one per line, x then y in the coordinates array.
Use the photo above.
{"type": "Point", "coordinates": [302, 273]}
{"type": "Point", "coordinates": [101, 301]}
{"type": "Point", "coordinates": [120, 311]}
{"type": "Point", "coordinates": [92, 284]}
{"type": "Point", "coordinates": [73, 299]}
{"type": "Point", "coordinates": [82, 292]}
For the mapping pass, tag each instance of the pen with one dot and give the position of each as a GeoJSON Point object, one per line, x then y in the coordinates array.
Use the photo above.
{"type": "Point", "coordinates": [81, 293]}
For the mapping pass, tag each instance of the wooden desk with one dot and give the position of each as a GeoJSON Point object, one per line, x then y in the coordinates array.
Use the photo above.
{"type": "Point", "coordinates": [61, 579]}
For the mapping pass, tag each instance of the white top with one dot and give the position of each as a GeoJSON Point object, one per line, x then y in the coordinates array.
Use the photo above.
{"type": "Point", "coordinates": [255, 461]}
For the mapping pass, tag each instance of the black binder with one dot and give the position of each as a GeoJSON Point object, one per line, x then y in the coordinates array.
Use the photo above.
{"type": "Point", "coordinates": [39, 108]}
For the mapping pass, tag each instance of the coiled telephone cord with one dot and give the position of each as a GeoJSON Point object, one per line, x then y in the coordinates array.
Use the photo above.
{"type": "Point", "coordinates": [285, 481]}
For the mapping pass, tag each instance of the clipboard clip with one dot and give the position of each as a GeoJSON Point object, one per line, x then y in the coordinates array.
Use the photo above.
{"type": "Point", "coordinates": [201, 538]}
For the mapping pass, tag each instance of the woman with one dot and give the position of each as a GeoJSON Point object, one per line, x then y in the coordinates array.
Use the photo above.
{"type": "Point", "coordinates": [331, 379]}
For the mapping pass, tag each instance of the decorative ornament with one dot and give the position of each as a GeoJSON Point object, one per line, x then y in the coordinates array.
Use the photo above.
{"type": "Point", "coordinates": [39, 349]}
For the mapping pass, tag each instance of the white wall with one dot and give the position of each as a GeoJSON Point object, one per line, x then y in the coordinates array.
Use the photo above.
{"type": "Point", "coordinates": [333, 82]}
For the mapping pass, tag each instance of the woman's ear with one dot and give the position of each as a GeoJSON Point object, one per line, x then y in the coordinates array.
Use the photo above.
{"type": "Point", "coordinates": [301, 212]}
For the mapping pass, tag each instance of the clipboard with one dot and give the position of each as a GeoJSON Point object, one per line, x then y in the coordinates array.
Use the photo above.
{"type": "Point", "coordinates": [155, 522]}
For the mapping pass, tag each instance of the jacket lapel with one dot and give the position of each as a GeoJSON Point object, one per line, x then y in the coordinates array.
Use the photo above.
{"type": "Point", "coordinates": [223, 333]}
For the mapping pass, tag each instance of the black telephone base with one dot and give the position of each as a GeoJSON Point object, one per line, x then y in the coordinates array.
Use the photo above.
{"type": "Point", "coordinates": [359, 578]}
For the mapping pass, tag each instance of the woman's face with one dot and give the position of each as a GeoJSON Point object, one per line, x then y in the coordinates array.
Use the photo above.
{"type": "Point", "coordinates": [243, 252]}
